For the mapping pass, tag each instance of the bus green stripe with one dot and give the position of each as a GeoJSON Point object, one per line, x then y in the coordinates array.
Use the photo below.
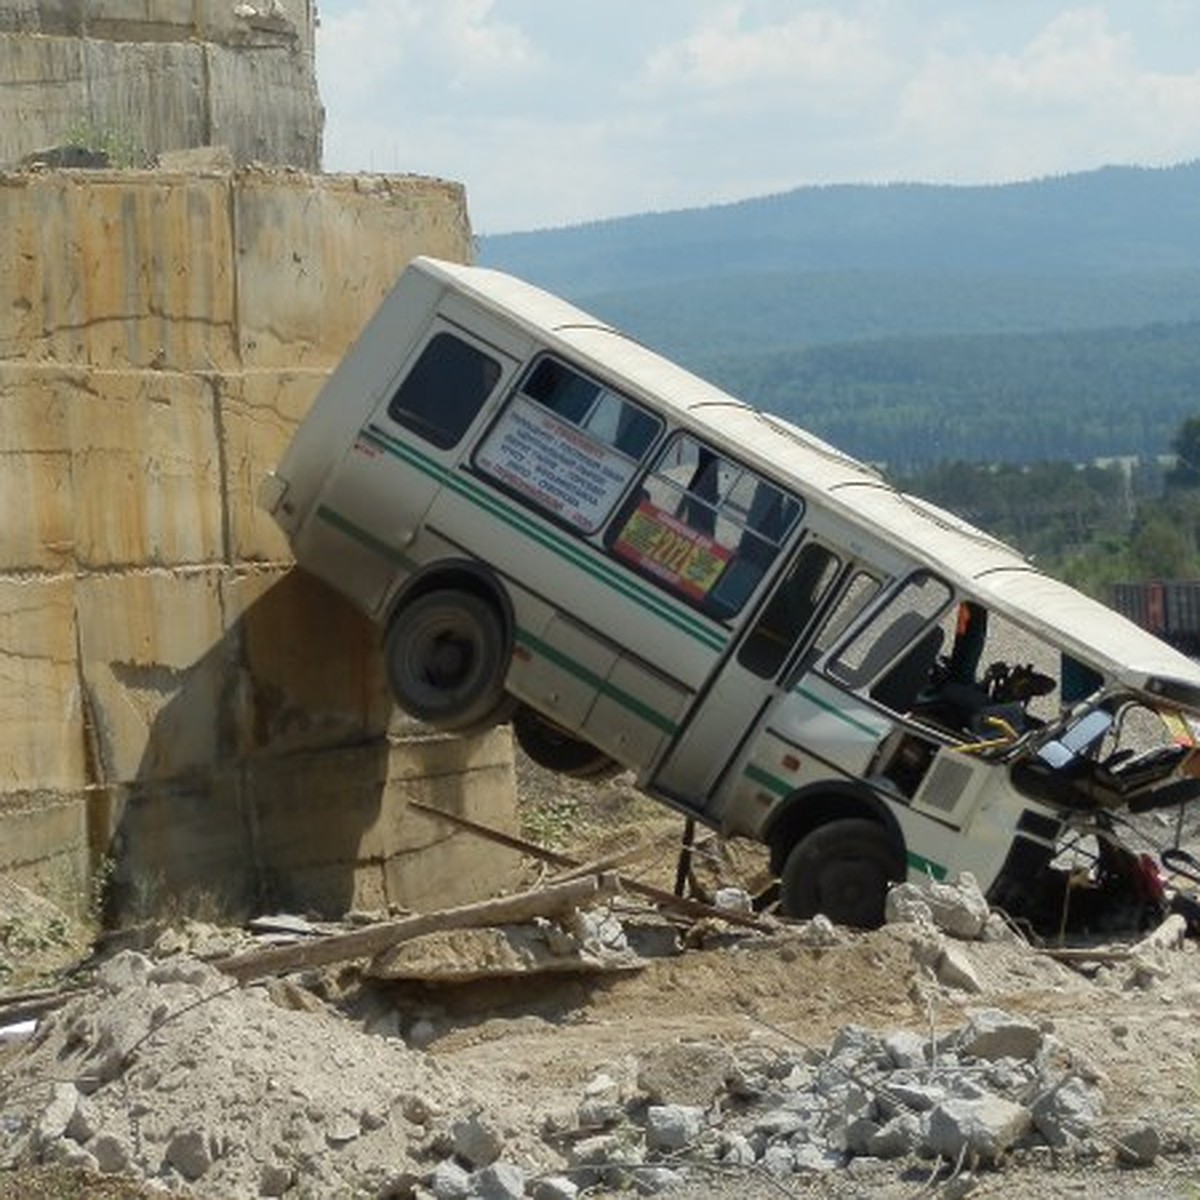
{"type": "Point", "coordinates": [781, 787]}
{"type": "Point", "coordinates": [771, 782]}
{"type": "Point", "coordinates": [622, 697]}
{"type": "Point", "coordinates": [926, 866]}
{"type": "Point", "coordinates": [554, 542]}
{"type": "Point", "coordinates": [360, 535]}
{"type": "Point", "coordinates": [834, 711]}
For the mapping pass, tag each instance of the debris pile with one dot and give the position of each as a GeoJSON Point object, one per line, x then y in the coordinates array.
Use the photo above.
{"type": "Point", "coordinates": [173, 1072]}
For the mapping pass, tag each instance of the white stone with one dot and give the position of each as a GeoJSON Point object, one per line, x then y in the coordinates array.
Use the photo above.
{"type": "Point", "coordinates": [985, 1128]}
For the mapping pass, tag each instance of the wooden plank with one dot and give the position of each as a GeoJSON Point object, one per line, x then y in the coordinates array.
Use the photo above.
{"type": "Point", "coordinates": [374, 939]}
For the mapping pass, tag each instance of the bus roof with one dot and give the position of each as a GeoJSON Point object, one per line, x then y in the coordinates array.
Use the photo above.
{"type": "Point", "coordinates": [974, 561]}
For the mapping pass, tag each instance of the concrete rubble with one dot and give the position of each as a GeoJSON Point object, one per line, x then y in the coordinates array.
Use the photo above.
{"type": "Point", "coordinates": [170, 1072]}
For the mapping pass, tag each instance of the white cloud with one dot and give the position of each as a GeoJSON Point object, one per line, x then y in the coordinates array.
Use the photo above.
{"type": "Point", "coordinates": [1075, 95]}
{"type": "Point", "coordinates": [390, 44]}
{"type": "Point", "coordinates": [734, 61]}
{"type": "Point", "coordinates": [554, 112]}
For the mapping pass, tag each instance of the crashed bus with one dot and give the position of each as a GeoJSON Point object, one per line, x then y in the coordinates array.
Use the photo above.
{"type": "Point", "coordinates": [554, 526]}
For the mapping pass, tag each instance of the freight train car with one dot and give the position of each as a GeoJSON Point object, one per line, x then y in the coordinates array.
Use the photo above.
{"type": "Point", "coordinates": [1170, 609]}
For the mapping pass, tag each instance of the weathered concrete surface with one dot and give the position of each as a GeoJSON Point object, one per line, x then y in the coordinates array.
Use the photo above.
{"type": "Point", "coordinates": [141, 77]}
{"type": "Point", "coordinates": [179, 704]}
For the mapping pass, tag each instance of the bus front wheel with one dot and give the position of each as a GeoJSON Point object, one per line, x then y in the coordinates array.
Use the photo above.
{"type": "Point", "coordinates": [842, 869]}
{"type": "Point", "coordinates": [555, 749]}
{"type": "Point", "coordinates": [445, 655]}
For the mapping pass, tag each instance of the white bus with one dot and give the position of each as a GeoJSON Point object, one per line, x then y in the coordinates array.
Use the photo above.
{"type": "Point", "coordinates": [553, 525]}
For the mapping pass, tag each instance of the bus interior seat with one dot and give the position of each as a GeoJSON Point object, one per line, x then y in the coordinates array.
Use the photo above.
{"type": "Point", "coordinates": [899, 687]}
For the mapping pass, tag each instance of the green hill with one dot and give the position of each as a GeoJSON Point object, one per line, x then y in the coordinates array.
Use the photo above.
{"type": "Point", "coordinates": [1056, 318]}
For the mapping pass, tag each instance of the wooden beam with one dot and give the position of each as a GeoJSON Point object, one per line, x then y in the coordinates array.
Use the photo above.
{"type": "Point", "coordinates": [374, 939]}
{"type": "Point", "coordinates": [660, 896]}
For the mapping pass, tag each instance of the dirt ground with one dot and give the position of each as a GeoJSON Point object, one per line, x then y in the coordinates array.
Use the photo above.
{"type": "Point", "coordinates": [526, 1048]}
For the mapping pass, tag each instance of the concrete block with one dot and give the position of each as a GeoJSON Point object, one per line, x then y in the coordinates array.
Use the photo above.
{"type": "Point", "coordinates": [259, 412]}
{"type": "Point", "coordinates": [333, 829]}
{"type": "Point", "coordinates": [149, 438]}
{"type": "Point", "coordinates": [287, 123]}
{"type": "Point", "coordinates": [45, 846]}
{"type": "Point", "coordinates": [36, 493]}
{"type": "Point", "coordinates": [985, 1128]}
{"type": "Point", "coordinates": [316, 255]}
{"type": "Point", "coordinates": [45, 85]}
{"type": "Point", "coordinates": [141, 276]}
{"type": "Point", "coordinates": [157, 673]}
{"type": "Point", "coordinates": [149, 95]}
{"type": "Point", "coordinates": [183, 847]}
{"type": "Point", "coordinates": [40, 700]}
{"type": "Point", "coordinates": [994, 1034]}
{"type": "Point", "coordinates": [312, 672]}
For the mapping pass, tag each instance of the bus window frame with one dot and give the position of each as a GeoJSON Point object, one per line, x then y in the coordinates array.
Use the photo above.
{"type": "Point", "coordinates": [443, 438]}
{"type": "Point", "coordinates": [858, 679]}
{"type": "Point", "coordinates": [666, 530]}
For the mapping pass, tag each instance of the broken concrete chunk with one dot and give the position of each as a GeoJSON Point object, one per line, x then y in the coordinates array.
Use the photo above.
{"type": "Point", "coordinates": [449, 1181]}
{"type": "Point", "coordinates": [57, 1115]}
{"type": "Point", "coordinates": [901, 1136]}
{"type": "Point", "coordinates": [124, 970]}
{"type": "Point", "coordinates": [954, 969]}
{"type": "Point", "coordinates": [476, 1140]}
{"type": "Point", "coordinates": [671, 1127]}
{"type": "Point", "coordinates": [1068, 1111]}
{"type": "Point", "coordinates": [1138, 1144]}
{"type": "Point", "coordinates": [649, 1181]}
{"type": "Point", "coordinates": [274, 1179]}
{"type": "Point", "coordinates": [906, 1049]}
{"type": "Point", "coordinates": [499, 1181]}
{"type": "Point", "coordinates": [736, 1150]}
{"type": "Point", "coordinates": [112, 1154]}
{"type": "Point", "coordinates": [957, 908]}
{"type": "Point", "coordinates": [992, 1033]}
{"type": "Point", "coordinates": [984, 1128]}
{"type": "Point", "coordinates": [905, 905]}
{"type": "Point", "coordinates": [555, 1187]}
{"type": "Point", "coordinates": [188, 1152]}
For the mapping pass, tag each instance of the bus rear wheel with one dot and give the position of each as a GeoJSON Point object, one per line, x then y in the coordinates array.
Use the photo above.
{"type": "Point", "coordinates": [842, 869]}
{"type": "Point", "coordinates": [554, 748]}
{"type": "Point", "coordinates": [446, 658]}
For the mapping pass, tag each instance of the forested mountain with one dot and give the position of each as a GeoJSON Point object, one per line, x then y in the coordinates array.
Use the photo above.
{"type": "Point", "coordinates": [1058, 318]}
{"type": "Point", "coordinates": [1114, 220]}
{"type": "Point", "coordinates": [911, 402]}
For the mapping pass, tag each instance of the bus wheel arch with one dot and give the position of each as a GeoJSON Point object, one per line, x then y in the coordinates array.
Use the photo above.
{"type": "Point", "coordinates": [555, 749]}
{"type": "Point", "coordinates": [837, 850]}
{"type": "Point", "coordinates": [447, 649]}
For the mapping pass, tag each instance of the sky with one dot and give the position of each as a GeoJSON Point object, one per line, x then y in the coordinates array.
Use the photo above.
{"type": "Point", "coordinates": [557, 112]}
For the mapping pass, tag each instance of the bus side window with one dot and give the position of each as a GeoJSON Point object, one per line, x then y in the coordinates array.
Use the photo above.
{"type": "Point", "coordinates": [444, 391]}
{"type": "Point", "coordinates": [852, 600]}
{"type": "Point", "coordinates": [704, 527]}
{"type": "Point", "coordinates": [790, 610]}
{"type": "Point", "coordinates": [891, 634]}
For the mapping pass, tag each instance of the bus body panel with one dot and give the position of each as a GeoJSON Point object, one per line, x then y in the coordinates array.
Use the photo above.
{"type": "Point", "coordinates": [633, 621]}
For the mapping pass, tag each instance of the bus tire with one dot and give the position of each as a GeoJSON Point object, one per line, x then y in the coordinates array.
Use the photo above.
{"type": "Point", "coordinates": [554, 748]}
{"type": "Point", "coordinates": [446, 656]}
{"type": "Point", "coordinates": [842, 869]}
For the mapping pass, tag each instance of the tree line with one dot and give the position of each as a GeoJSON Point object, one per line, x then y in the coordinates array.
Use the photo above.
{"type": "Point", "coordinates": [1094, 525]}
{"type": "Point", "coordinates": [910, 403]}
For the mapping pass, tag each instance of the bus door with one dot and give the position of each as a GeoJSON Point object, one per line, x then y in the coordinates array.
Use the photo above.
{"type": "Point", "coordinates": [746, 684]}
{"type": "Point", "coordinates": [381, 492]}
